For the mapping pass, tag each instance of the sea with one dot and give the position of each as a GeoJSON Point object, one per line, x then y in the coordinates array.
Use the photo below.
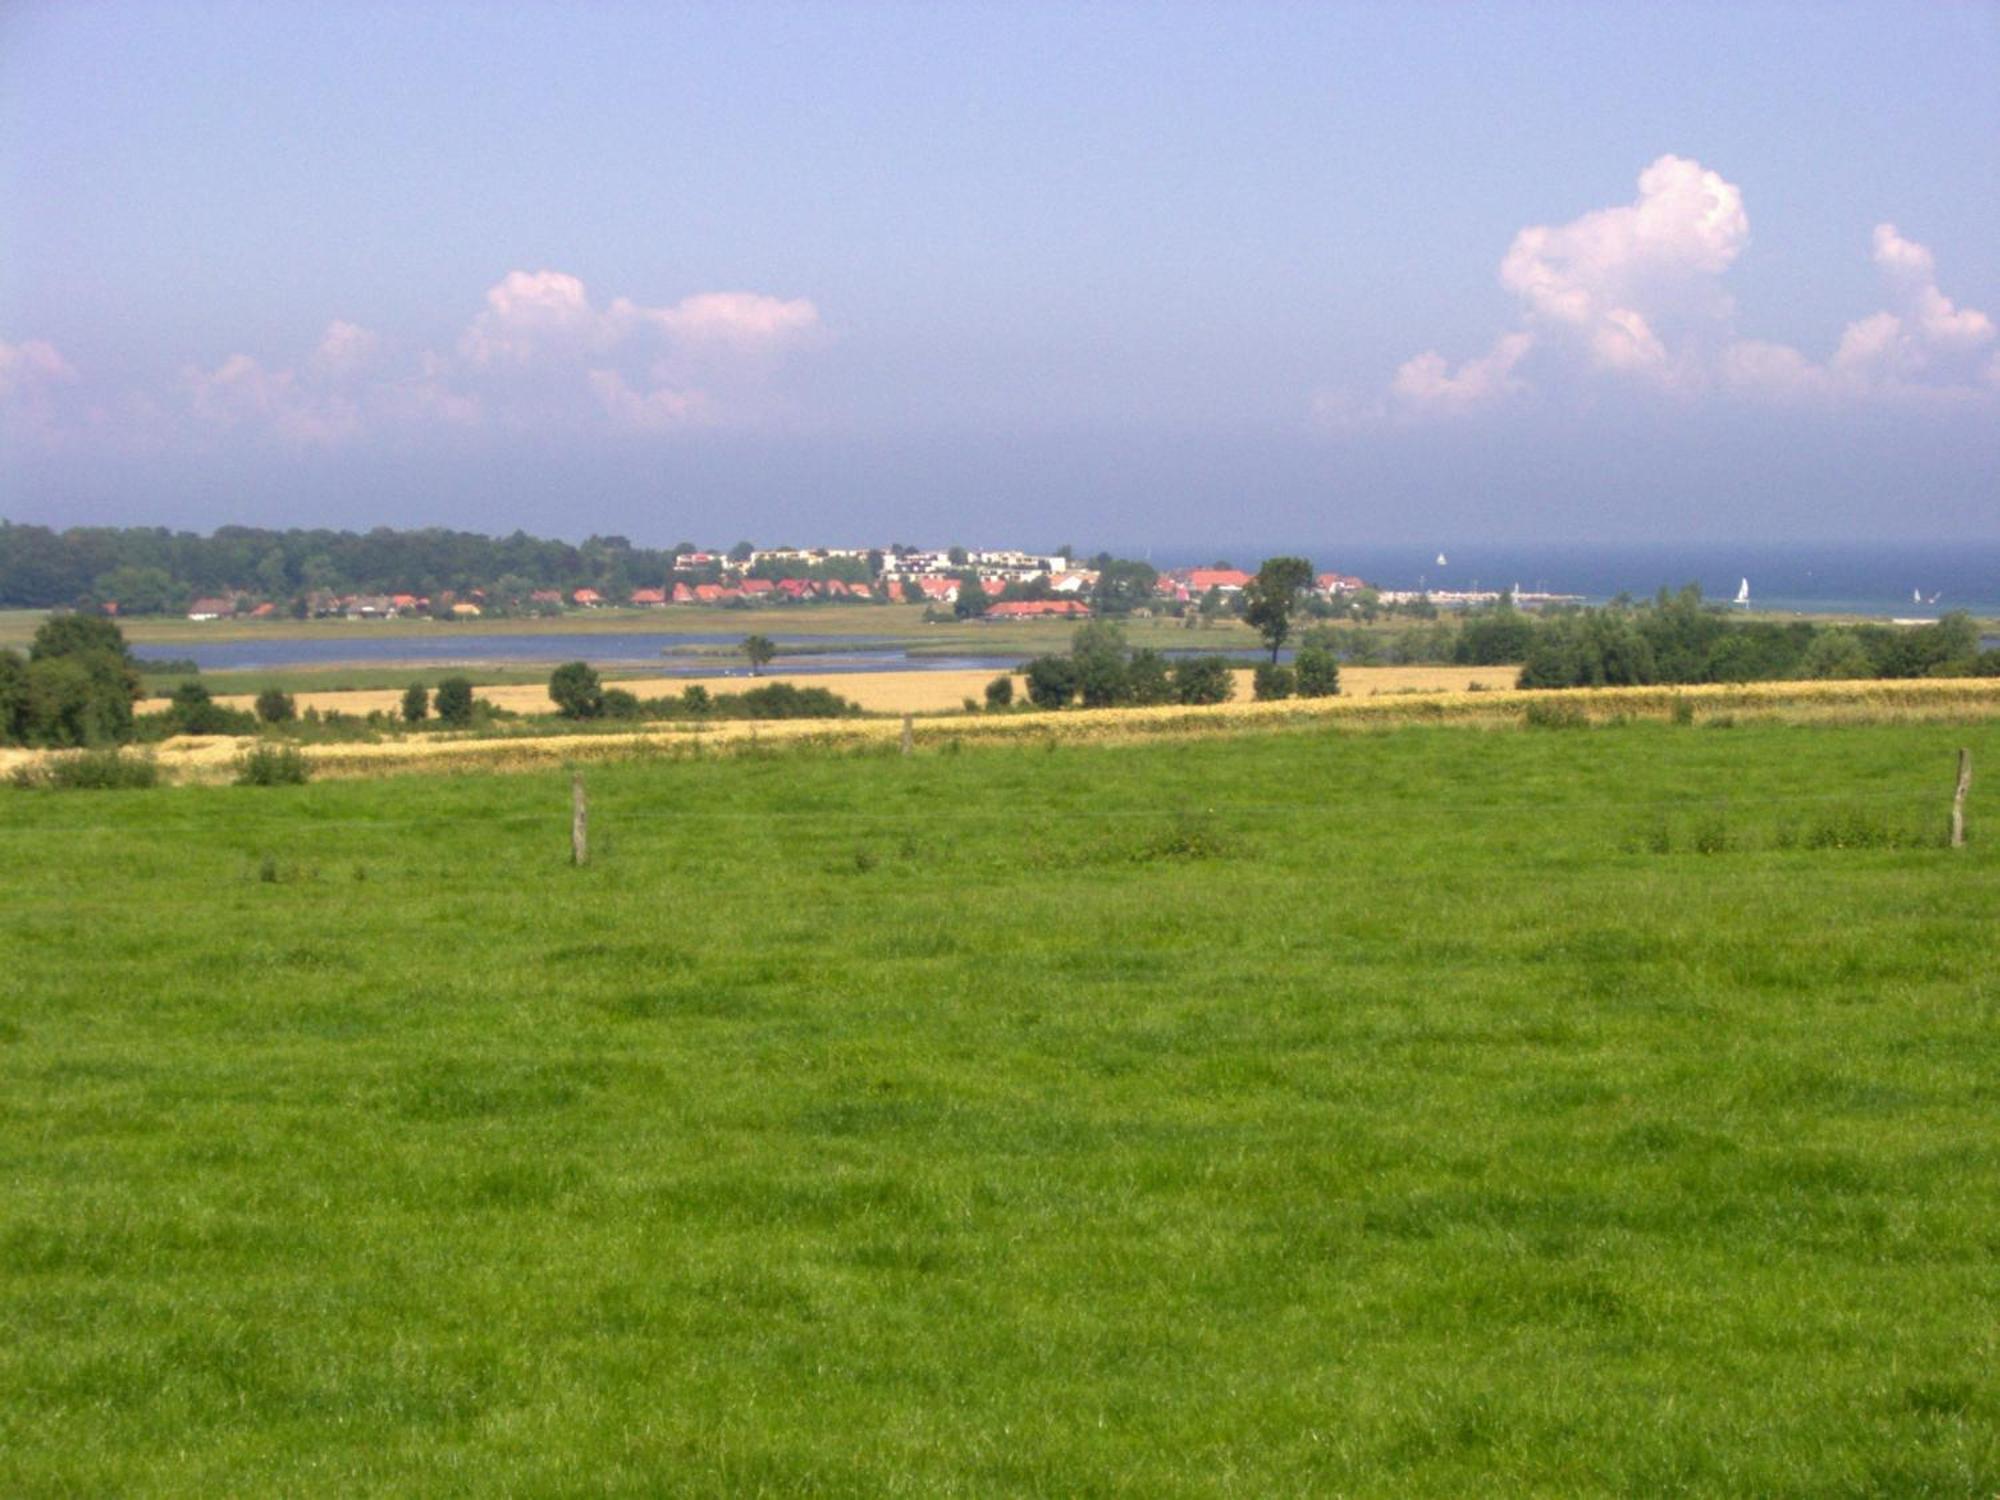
{"type": "Point", "coordinates": [1894, 580]}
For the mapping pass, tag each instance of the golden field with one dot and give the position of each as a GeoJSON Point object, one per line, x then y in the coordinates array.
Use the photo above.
{"type": "Point", "coordinates": [212, 758]}
{"type": "Point", "coordinates": [916, 692]}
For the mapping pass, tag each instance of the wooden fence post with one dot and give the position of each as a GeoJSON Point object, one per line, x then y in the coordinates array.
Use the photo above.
{"type": "Point", "coordinates": [909, 736]}
{"type": "Point", "coordinates": [579, 821]}
{"type": "Point", "coordinates": [1958, 799]}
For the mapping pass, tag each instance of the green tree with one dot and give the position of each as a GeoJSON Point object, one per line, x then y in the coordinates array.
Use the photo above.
{"type": "Point", "coordinates": [1122, 585]}
{"type": "Point", "coordinates": [1098, 649]}
{"type": "Point", "coordinates": [1318, 672]}
{"type": "Point", "coordinates": [416, 703]}
{"type": "Point", "coordinates": [1051, 681]}
{"type": "Point", "coordinates": [957, 556]}
{"type": "Point", "coordinates": [1203, 679]}
{"type": "Point", "coordinates": [759, 651]}
{"type": "Point", "coordinates": [81, 699]}
{"type": "Point", "coordinates": [1147, 678]}
{"type": "Point", "coordinates": [1271, 682]}
{"type": "Point", "coordinates": [453, 702]}
{"type": "Point", "coordinates": [972, 601]}
{"type": "Point", "coordinates": [275, 706]}
{"type": "Point", "coordinates": [80, 683]}
{"type": "Point", "coordinates": [740, 553]}
{"type": "Point", "coordinates": [1835, 654]}
{"type": "Point", "coordinates": [140, 590]}
{"type": "Point", "coordinates": [1273, 596]}
{"type": "Point", "coordinates": [1000, 692]}
{"type": "Point", "coordinates": [77, 635]}
{"type": "Point", "coordinates": [13, 698]}
{"type": "Point", "coordinates": [577, 693]}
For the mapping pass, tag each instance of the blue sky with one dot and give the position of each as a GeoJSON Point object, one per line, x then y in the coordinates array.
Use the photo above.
{"type": "Point", "coordinates": [1106, 274]}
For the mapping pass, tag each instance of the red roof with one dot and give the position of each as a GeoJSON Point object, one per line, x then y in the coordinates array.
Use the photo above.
{"type": "Point", "coordinates": [683, 594]}
{"type": "Point", "coordinates": [587, 596]}
{"type": "Point", "coordinates": [758, 586]}
{"type": "Point", "coordinates": [649, 596]}
{"type": "Point", "coordinates": [1201, 580]}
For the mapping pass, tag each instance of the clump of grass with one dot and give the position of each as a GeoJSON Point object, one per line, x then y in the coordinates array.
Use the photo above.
{"type": "Point", "coordinates": [273, 765]}
{"type": "Point", "coordinates": [1555, 713]}
{"type": "Point", "coordinates": [89, 771]}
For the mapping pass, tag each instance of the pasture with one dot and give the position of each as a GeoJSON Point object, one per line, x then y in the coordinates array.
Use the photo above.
{"type": "Point", "coordinates": [1425, 1110]}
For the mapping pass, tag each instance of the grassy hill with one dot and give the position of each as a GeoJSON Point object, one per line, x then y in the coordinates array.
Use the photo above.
{"type": "Point", "coordinates": [1432, 1111]}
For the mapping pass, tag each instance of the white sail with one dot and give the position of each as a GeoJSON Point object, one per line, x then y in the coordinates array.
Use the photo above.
{"type": "Point", "coordinates": [1440, 561]}
{"type": "Point", "coordinates": [1743, 592]}
{"type": "Point", "coordinates": [1916, 596]}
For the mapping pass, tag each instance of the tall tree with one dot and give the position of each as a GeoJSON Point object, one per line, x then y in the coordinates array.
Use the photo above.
{"type": "Point", "coordinates": [1273, 596]}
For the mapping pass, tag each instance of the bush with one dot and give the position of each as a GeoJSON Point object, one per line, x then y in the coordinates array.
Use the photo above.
{"type": "Point", "coordinates": [1051, 681]}
{"type": "Point", "coordinates": [90, 771]}
{"type": "Point", "coordinates": [1202, 679]}
{"type": "Point", "coordinates": [193, 710]}
{"type": "Point", "coordinates": [620, 704]}
{"type": "Point", "coordinates": [274, 706]}
{"type": "Point", "coordinates": [1272, 682]}
{"type": "Point", "coordinates": [270, 765]}
{"type": "Point", "coordinates": [416, 703]}
{"type": "Point", "coordinates": [1000, 692]}
{"type": "Point", "coordinates": [1555, 715]}
{"type": "Point", "coordinates": [1318, 672]}
{"type": "Point", "coordinates": [453, 702]}
{"type": "Point", "coordinates": [576, 690]}
{"type": "Point", "coordinates": [1147, 679]}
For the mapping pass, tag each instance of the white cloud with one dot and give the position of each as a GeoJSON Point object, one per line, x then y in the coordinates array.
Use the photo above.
{"type": "Point", "coordinates": [1429, 380]}
{"type": "Point", "coordinates": [33, 374]}
{"type": "Point", "coordinates": [1633, 295]}
{"type": "Point", "coordinates": [538, 355]}
{"type": "Point", "coordinates": [33, 366]}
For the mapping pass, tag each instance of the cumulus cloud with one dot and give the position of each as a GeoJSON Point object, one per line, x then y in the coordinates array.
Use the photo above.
{"type": "Point", "coordinates": [1633, 296]}
{"type": "Point", "coordinates": [538, 355]}
{"type": "Point", "coordinates": [32, 374]}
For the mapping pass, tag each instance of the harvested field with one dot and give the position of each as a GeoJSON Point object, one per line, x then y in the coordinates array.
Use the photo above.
{"type": "Point", "coordinates": [199, 759]}
{"type": "Point", "coordinates": [878, 692]}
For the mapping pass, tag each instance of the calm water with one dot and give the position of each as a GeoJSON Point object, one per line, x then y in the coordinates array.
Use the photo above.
{"type": "Point", "coordinates": [1863, 580]}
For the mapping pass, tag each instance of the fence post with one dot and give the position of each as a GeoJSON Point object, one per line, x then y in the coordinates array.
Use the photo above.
{"type": "Point", "coordinates": [579, 821]}
{"type": "Point", "coordinates": [909, 736]}
{"type": "Point", "coordinates": [1958, 799]}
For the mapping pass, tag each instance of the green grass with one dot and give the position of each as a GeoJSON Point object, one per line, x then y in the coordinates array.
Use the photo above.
{"type": "Point", "coordinates": [1432, 1112]}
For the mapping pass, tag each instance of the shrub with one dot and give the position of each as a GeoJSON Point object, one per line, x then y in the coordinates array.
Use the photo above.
{"type": "Point", "coordinates": [576, 690]}
{"type": "Point", "coordinates": [270, 765]}
{"type": "Point", "coordinates": [1272, 682]}
{"type": "Point", "coordinates": [1147, 679]}
{"type": "Point", "coordinates": [1318, 672]}
{"type": "Point", "coordinates": [90, 771]}
{"type": "Point", "coordinates": [416, 703]}
{"type": "Point", "coordinates": [1555, 715]}
{"type": "Point", "coordinates": [1051, 681]}
{"type": "Point", "coordinates": [275, 706]}
{"type": "Point", "coordinates": [619, 704]}
{"type": "Point", "coordinates": [1000, 692]}
{"type": "Point", "coordinates": [193, 710]}
{"type": "Point", "coordinates": [1203, 679]}
{"type": "Point", "coordinates": [453, 702]}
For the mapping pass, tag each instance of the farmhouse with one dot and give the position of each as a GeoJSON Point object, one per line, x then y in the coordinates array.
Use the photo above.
{"type": "Point", "coordinates": [587, 598]}
{"type": "Point", "coordinates": [650, 598]}
{"type": "Point", "coordinates": [211, 609]}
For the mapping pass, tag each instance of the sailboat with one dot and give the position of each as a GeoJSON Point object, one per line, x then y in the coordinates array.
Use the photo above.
{"type": "Point", "coordinates": [1916, 596]}
{"type": "Point", "coordinates": [1743, 594]}
{"type": "Point", "coordinates": [1440, 561]}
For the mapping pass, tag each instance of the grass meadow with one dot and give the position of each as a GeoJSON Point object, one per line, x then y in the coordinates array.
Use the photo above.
{"type": "Point", "coordinates": [1417, 1111]}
